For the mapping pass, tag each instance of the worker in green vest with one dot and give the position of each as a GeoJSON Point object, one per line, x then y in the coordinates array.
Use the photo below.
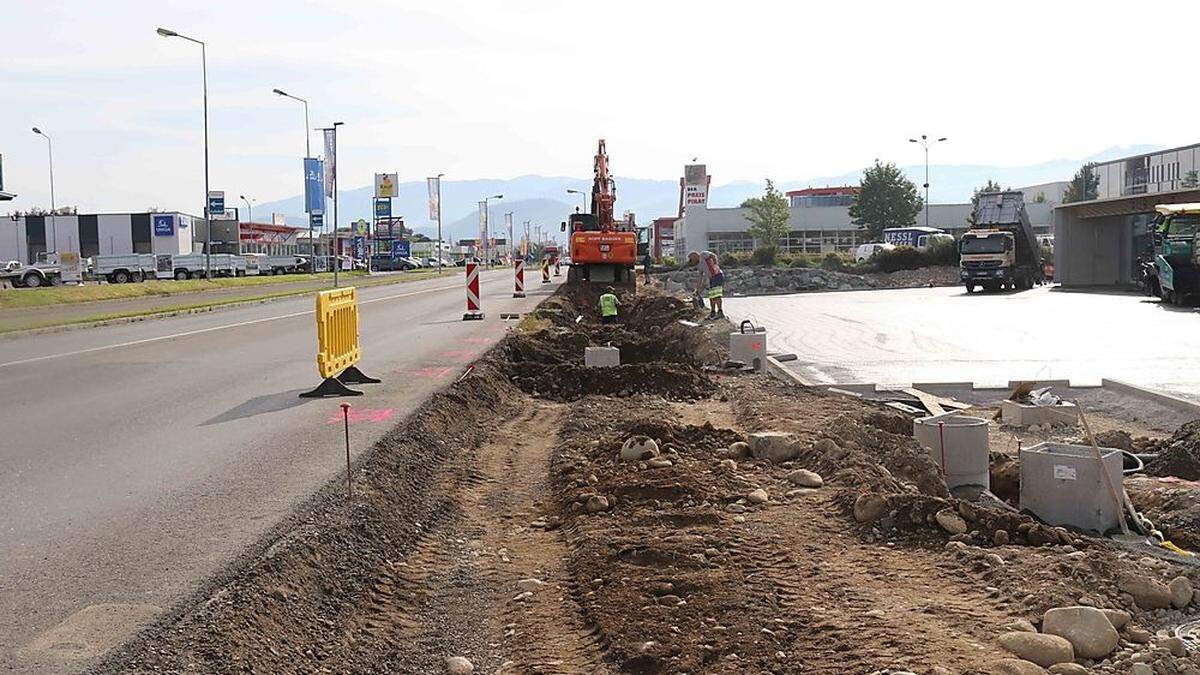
{"type": "Point", "coordinates": [608, 306]}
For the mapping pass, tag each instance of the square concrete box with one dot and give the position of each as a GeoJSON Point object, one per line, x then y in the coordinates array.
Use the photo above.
{"type": "Point", "coordinates": [1063, 485]}
{"type": "Point", "coordinates": [1024, 415]}
{"type": "Point", "coordinates": [749, 348]}
{"type": "Point", "coordinates": [601, 357]}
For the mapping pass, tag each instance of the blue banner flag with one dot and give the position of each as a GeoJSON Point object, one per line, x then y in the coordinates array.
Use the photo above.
{"type": "Point", "coordinates": [314, 185]}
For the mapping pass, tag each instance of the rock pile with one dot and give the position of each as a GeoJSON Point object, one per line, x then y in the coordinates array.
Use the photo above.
{"type": "Point", "coordinates": [774, 280]}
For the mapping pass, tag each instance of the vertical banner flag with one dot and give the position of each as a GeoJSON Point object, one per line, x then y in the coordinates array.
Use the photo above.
{"type": "Point", "coordinates": [330, 160]}
{"type": "Point", "coordinates": [314, 186]}
{"type": "Point", "coordinates": [435, 196]}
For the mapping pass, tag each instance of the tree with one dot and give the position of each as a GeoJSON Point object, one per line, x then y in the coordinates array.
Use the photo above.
{"type": "Point", "coordinates": [1084, 185]}
{"type": "Point", "coordinates": [1039, 198]}
{"type": "Point", "coordinates": [1191, 179]}
{"type": "Point", "coordinates": [990, 186]}
{"type": "Point", "coordinates": [768, 216]}
{"type": "Point", "coordinates": [886, 198]}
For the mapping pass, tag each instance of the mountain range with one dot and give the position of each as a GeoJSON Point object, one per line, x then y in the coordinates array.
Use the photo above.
{"type": "Point", "coordinates": [543, 200]}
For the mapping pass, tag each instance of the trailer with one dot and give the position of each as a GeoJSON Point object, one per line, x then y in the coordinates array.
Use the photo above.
{"type": "Point", "coordinates": [45, 272]}
{"type": "Point", "coordinates": [197, 265]}
{"type": "Point", "coordinates": [124, 269]}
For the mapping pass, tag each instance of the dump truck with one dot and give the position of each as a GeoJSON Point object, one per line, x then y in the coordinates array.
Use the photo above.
{"type": "Point", "coordinates": [1000, 250]}
{"type": "Point", "coordinates": [1176, 276]}
{"type": "Point", "coordinates": [602, 249]}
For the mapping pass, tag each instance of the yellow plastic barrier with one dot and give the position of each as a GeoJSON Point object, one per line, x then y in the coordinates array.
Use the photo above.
{"type": "Point", "coordinates": [337, 344]}
{"type": "Point", "coordinates": [337, 330]}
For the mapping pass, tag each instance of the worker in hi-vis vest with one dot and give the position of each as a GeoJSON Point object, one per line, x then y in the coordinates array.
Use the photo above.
{"type": "Point", "coordinates": [608, 306]}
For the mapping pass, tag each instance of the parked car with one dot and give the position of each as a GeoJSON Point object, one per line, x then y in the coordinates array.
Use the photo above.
{"type": "Point", "coordinates": [867, 251]}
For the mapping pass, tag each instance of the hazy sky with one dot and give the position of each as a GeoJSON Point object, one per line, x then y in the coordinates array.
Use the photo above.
{"type": "Point", "coordinates": [788, 90]}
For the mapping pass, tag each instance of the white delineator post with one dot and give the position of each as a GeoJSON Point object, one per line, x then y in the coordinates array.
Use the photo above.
{"type": "Point", "coordinates": [519, 278]}
{"type": "Point", "coordinates": [473, 310]}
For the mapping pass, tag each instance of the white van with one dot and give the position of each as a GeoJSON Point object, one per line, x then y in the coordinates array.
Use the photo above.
{"type": "Point", "coordinates": [867, 251]}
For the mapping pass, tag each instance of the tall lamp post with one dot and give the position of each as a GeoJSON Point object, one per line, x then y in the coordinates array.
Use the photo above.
{"type": "Point", "coordinates": [312, 243]}
{"type": "Point", "coordinates": [337, 262]}
{"type": "Point", "coordinates": [207, 216]}
{"type": "Point", "coordinates": [487, 227]}
{"type": "Point", "coordinates": [249, 216]}
{"type": "Point", "coordinates": [924, 142]}
{"type": "Point", "coordinates": [53, 216]}
{"type": "Point", "coordinates": [440, 251]}
{"type": "Point", "coordinates": [582, 197]}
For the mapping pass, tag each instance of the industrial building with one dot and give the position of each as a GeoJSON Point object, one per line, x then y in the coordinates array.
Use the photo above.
{"type": "Point", "coordinates": [163, 233]}
{"type": "Point", "coordinates": [1098, 241]}
{"type": "Point", "coordinates": [820, 223]}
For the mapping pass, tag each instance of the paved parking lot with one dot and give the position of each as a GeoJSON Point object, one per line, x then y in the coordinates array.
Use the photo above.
{"type": "Point", "coordinates": [943, 334]}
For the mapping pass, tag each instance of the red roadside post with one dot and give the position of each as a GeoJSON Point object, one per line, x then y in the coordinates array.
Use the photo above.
{"type": "Point", "coordinates": [346, 419]}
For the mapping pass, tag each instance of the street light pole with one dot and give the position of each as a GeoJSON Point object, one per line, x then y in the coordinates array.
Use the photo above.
{"type": "Point", "coordinates": [249, 217]}
{"type": "Point", "coordinates": [53, 208]}
{"type": "Point", "coordinates": [924, 142]}
{"type": "Point", "coordinates": [487, 227]}
{"type": "Point", "coordinates": [312, 242]}
{"type": "Point", "coordinates": [337, 261]}
{"type": "Point", "coordinates": [440, 252]}
{"type": "Point", "coordinates": [582, 197]}
{"type": "Point", "coordinates": [207, 215]}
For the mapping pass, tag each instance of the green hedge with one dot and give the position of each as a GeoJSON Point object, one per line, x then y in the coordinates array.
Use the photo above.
{"type": "Point", "coordinates": [908, 258]}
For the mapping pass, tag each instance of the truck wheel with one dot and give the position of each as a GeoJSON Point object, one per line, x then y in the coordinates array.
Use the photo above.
{"type": "Point", "coordinates": [970, 288]}
{"type": "Point", "coordinates": [31, 280]}
{"type": "Point", "coordinates": [56, 280]}
{"type": "Point", "coordinates": [120, 277]}
{"type": "Point", "coordinates": [196, 274]}
{"type": "Point", "coordinates": [180, 275]}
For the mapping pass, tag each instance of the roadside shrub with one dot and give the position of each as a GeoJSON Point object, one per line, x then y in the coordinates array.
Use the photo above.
{"type": "Point", "coordinates": [669, 261]}
{"type": "Point", "coordinates": [729, 260]}
{"type": "Point", "coordinates": [909, 258]}
{"type": "Point", "coordinates": [833, 262]}
{"type": "Point", "coordinates": [943, 253]}
{"type": "Point", "coordinates": [800, 261]}
{"type": "Point", "coordinates": [765, 255]}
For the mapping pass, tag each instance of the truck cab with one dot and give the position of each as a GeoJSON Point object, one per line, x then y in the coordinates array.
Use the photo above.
{"type": "Point", "coordinates": [1176, 252]}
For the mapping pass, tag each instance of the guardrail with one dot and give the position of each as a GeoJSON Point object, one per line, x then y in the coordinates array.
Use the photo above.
{"type": "Point", "coordinates": [338, 349]}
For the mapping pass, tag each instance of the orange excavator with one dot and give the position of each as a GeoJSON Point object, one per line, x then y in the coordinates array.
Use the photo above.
{"type": "Point", "coordinates": [603, 249]}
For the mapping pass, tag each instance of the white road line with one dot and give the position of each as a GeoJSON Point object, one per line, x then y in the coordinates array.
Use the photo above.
{"type": "Point", "coordinates": [133, 343]}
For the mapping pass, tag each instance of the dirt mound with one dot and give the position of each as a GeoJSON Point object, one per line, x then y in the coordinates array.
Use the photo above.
{"type": "Point", "coordinates": [1178, 455]}
{"type": "Point", "coordinates": [570, 382]}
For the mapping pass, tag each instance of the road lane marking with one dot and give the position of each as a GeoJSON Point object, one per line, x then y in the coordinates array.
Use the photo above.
{"type": "Point", "coordinates": [199, 331]}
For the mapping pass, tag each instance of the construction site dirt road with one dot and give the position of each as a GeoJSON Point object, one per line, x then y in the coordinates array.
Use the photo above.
{"type": "Point", "coordinates": [539, 516]}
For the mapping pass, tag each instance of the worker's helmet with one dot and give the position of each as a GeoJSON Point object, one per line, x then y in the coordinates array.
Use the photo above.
{"type": "Point", "coordinates": [610, 289]}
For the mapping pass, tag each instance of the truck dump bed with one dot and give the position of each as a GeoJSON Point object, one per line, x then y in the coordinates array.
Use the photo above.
{"type": "Point", "coordinates": [1006, 211]}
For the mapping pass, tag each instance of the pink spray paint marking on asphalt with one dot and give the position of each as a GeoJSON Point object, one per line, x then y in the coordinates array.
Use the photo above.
{"type": "Point", "coordinates": [363, 415]}
{"type": "Point", "coordinates": [431, 372]}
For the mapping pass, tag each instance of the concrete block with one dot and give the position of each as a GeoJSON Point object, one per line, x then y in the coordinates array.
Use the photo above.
{"type": "Point", "coordinates": [964, 442]}
{"type": "Point", "coordinates": [1023, 415]}
{"type": "Point", "coordinates": [601, 357]}
{"type": "Point", "coordinates": [1063, 485]}
{"type": "Point", "coordinates": [749, 348]}
{"type": "Point", "coordinates": [862, 387]}
{"type": "Point", "coordinates": [1038, 384]}
{"type": "Point", "coordinates": [1174, 402]}
{"type": "Point", "coordinates": [773, 446]}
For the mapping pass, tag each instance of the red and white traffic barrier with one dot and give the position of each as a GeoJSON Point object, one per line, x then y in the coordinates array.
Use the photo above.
{"type": "Point", "coordinates": [473, 310]}
{"type": "Point", "coordinates": [519, 278]}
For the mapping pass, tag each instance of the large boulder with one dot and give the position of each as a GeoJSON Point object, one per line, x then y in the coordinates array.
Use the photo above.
{"type": "Point", "coordinates": [805, 478]}
{"type": "Point", "coordinates": [1067, 669]}
{"type": "Point", "coordinates": [870, 507]}
{"type": "Point", "coordinates": [1018, 667]}
{"type": "Point", "coordinates": [1087, 628]}
{"type": "Point", "coordinates": [638, 448]}
{"type": "Point", "coordinates": [774, 446]}
{"type": "Point", "coordinates": [1181, 592]}
{"type": "Point", "coordinates": [1044, 650]}
{"type": "Point", "coordinates": [1117, 617]}
{"type": "Point", "coordinates": [950, 521]}
{"type": "Point", "coordinates": [1148, 593]}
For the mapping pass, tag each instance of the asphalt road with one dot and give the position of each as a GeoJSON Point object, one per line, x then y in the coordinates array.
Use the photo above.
{"type": "Point", "coordinates": [943, 334]}
{"type": "Point", "coordinates": [139, 458]}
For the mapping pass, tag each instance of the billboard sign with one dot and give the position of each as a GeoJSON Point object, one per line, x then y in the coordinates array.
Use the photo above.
{"type": "Point", "coordinates": [695, 195]}
{"type": "Point", "coordinates": [184, 221]}
{"type": "Point", "coordinates": [278, 219]}
{"type": "Point", "coordinates": [360, 227]}
{"type": "Point", "coordinates": [216, 203]}
{"type": "Point", "coordinates": [386, 185]}
{"type": "Point", "coordinates": [164, 225]}
{"type": "Point", "coordinates": [383, 208]}
{"type": "Point", "coordinates": [70, 268]}
{"type": "Point", "coordinates": [317, 220]}
{"type": "Point", "coordinates": [314, 185]}
{"type": "Point", "coordinates": [164, 266]}
{"type": "Point", "coordinates": [401, 249]}
{"type": "Point", "coordinates": [360, 247]}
